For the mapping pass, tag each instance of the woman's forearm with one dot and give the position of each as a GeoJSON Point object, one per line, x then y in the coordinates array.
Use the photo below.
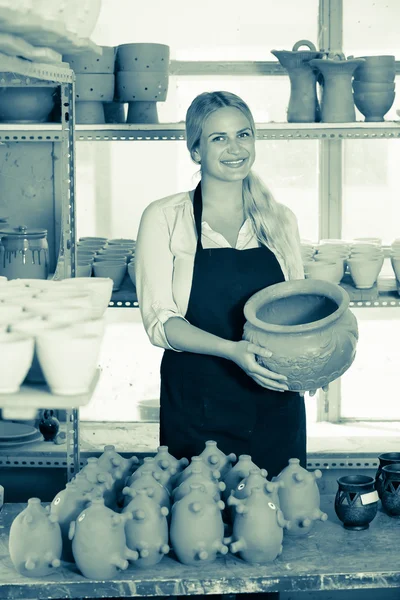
{"type": "Point", "coordinates": [183, 336]}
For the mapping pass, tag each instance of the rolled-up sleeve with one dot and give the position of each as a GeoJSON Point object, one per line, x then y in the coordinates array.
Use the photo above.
{"type": "Point", "coordinates": [154, 265]}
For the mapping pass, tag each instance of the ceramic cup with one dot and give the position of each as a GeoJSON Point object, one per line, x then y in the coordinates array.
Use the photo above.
{"type": "Point", "coordinates": [356, 501]}
{"type": "Point", "coordinates": [324, 270]}
{"type": "Point", "coordinates": [16, 351]}
{"type": "Point", "coordinates": [364, 271]}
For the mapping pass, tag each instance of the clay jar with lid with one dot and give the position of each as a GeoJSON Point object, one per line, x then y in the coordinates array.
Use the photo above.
{"type": "Point", "coordinates": [26, 253]}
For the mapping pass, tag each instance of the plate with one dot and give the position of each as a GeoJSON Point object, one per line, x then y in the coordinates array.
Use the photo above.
{"type": "Point", "coordinates": [37, 438]}
{"type": "Point", "coordinates": [10, 430]}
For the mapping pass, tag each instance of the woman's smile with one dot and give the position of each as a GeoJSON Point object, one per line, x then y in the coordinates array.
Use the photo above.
{"type": "Point", "coordinates": [234, 164]}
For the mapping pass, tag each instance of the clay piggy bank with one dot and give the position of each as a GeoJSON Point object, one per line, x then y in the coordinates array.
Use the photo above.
{"type": "Point", "coordinates": [257, 528]}
{"type": "Point", "coordinates": [99, 543]}
{"type": "Point", "coordinates": [197, 528]}
{"type": "Point", "coordinates": [199, 464]}
{"type": "Point", "coordinates": [147, 530]}
{"type": "Point", "coordinates": [119, 467]}
{"type": "Point", "coordinates": [299, 498]}
{"type": "Point", "coordinates": [146, 478]}
{"type": "Point", "coordinates": [202, 476]}
{"type": "Point", "coordinates": [169, 463]}
{"type": "Point", "coordinates": [149, 465]}
{"type": "Point", "coordinates": [35, 541]}
{"type": "Point", "coordinates": [214, 458]}
{"type": "Point", "coordinates": [67, 506]}
{"type": "Point", "coordinates": [236, 475]}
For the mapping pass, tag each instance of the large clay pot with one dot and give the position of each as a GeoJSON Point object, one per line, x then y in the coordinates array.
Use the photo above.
{"type": "Point", "coordinates": [308, 327]}
{"type": "Point", "coordinates": [337, 96]}
{"type": "Point", "coordinates": [26, 104]}
{"type": "Point", "coordinates": [356, 501]}
{"type": "Point", "coordinates": [303, 104]}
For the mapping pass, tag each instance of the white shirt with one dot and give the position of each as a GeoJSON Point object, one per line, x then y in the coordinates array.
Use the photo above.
{"type": "Point", "coordinates": [164, 259]}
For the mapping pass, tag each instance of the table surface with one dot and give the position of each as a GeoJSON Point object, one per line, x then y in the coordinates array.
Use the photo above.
{"type": "Point", "coordinates": [329, 558]}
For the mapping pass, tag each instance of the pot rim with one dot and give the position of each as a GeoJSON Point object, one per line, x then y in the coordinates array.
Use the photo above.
{"type": "Point", "coordinates": [278, 291]}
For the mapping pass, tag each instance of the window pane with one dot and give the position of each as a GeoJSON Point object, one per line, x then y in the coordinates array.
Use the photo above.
{"type": "Point", "coordinates": [369, 387]}
{"type": "Point", "coordinates": [210, 30]}
{"type": "Point", "coordinates": [371, 27]}
{"type": "Point", "coordinates": [371, 204]}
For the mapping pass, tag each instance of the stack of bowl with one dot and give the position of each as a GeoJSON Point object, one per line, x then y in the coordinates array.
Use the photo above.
{"type": "Point", "coordinates": [142, 72]}
{"type": "Point", "coordinates": [94, 83]}
{"type": "Point", "coordinates": [365, 262]}
{"type": "Point", "coordinates": [86, 249]}
{"type": "Point", "coordinates": [328, 263]}
{"type": "Point", "coordinates": [374, 86]}
{"type": "Point", "coordinates": [395, 261]}
{"type": "Point", "coordinates": [112, 260]}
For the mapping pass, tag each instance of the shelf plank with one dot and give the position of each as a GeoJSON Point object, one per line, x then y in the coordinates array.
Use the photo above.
{"type": "Point", "coordinates": [13, 68]}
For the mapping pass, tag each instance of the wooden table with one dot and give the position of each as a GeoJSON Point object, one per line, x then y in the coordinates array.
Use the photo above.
{"type": "Point", "coordinates": [329, 558]}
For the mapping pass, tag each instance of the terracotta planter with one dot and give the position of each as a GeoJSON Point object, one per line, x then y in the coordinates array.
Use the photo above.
{"type": "Point", "coordinates": [90, 62]}
{"type": "Point", "coordinates": [374, 105]}
{"type": "Point", "coordinates": [142, 112]}
{"type": "Point", "coordinates": [26, 104]}
{"type": "Point", "coordinates": [337, 97]}
{"type": "Point", "coordinates": [308, 327]}
{"type": "Point", "coordinates": [142, 57]}
{"type": "Point", "coordinates": [380, 61]}
{"type": "Point", "coordinates": [135, 86]}
{"type": "Point", "coordinates": [97, 87]}
{"type": "Point", "coordinates": [303, 103]}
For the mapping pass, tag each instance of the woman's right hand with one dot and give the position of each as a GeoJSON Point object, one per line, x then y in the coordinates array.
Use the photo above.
{"type": "Point", "coordinates": [244, 355]}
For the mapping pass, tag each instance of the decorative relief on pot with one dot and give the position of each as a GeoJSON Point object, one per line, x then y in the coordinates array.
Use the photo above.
{"type": "Point", "coordinates": [308, 327]}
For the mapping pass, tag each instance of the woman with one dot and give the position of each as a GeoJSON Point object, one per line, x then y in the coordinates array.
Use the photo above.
{"type": "Point", "coordinates": [200, 255]}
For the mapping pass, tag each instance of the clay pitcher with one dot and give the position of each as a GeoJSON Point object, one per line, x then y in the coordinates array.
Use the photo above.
{"type": "Point", "coordinates": [337, 96]}
{"type": "Point", "coordinates": [299, 498]}
{"type": "Point", "coordinates": [214, 458]}
{"type": "Point", "coordinates": [303, 103]}
{"type": "Point", "coordinates": [99, 543]}
{"type": "Point", "coordinates": [67, 506]}
{"type": "Point", "coordinates": [197, 528]}
{"type": "Point", "coordinates": [257, 528]}
{"type": "Point", "coordinates": [147, 530]}
{"type": "Point", "coordinates": [238, 473]}
{"type": "Point", "coordinates": [35, 541]}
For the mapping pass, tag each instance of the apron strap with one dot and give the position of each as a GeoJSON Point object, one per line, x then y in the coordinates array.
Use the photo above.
{"type": "Point", "coordinates": [198, 211]}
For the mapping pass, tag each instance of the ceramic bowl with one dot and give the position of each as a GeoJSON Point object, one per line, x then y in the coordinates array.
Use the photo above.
{"type": "Point", "coordinates": [100, 287]}
{"type": "Point", "coordinates": [374, 105]}
{"type": "Point", "coordinates": [365, 86]}
{"type": "Point", "coordinates": [94, 239]}
{"type": "Point", "coordinates": [324, 270]}
{"type": "Point", "coordinates": [75, 375]}
{"type": "Point", "coordinates": [131, 272]}
{"type": "Point", "coordinates": [379, 61]}
{"type": "Point", "coordinates": [149, 410]}
{"type": "Point", "coordinates": [9, 312]}
{"type": "Point", "coordinates": [364, 272]}
{"type": "Point", "coordinates": [116, 270]}
{"type": "Point", "coordinates": [142, 57]}
{"type": "Point", "coordinates": [67, 315]}
{"type": "Point", "coordinates": [26, 104]}
{"type": "Point", "coordinates": [375, 74]}
{"type": "Point", "coordinates": [3, 279]}
{"type": "Point", "coordinates": [90, 244]}
{"type": "Point", "coordinates": [89, 113]}
{"type": "Point", "coordinates": [84, 269]}
{"type": "Point", "coordinates": [395, 262]}
{"type": "Point", "coordinates": [134, 86]}
{"type": "Point", "coordinates": [16, 351]}
{"type": "Point", "coordinates": [114, 258]}
{"type": "Point", "coordinates": [121, 241]}
{"type": "Point", "coordinates": [90, 62]}
{"type": "Point", "coordinates": [94, 87]}
{"type": "Point", "coordinates": [375, 241]}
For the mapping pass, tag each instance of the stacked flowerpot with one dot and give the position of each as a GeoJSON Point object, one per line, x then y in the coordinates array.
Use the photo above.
{"type": "Point", "coordinates": [142, 72]}
{"type": "Point", "coordinates": [374, 86]}
{"type": "Point", "coordinates": [103, 257]}
{"type": "Point", "coordinates": [94, 84]}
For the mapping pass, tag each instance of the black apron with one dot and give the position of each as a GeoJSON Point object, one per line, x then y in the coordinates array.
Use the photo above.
{"type": "Point", "coordinates": [211, 398]}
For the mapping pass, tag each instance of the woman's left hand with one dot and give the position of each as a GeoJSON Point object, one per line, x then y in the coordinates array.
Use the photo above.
{"type": "Point", "coordinates": [325, 388]}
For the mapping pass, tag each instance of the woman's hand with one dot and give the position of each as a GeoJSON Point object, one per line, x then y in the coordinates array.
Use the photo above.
{"type": "Point", "coordinates": [324, 388]}
{"type": "Point", "coordinates": [244, 355]}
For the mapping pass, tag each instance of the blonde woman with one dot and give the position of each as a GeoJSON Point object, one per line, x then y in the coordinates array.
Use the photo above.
{"type": "Point", "coordinates": [200, 255]}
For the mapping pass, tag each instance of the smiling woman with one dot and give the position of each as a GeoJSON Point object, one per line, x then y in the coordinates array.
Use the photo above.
{"type": "Point", "coordinates": [200, 255]}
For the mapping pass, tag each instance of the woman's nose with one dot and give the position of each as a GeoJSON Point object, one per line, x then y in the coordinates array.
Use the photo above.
{"type": "Point", "coordinates": [234, 147]}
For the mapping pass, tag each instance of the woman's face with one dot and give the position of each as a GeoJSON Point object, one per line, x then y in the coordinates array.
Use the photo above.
{"type": "Point", "coordinates": [227, 145]}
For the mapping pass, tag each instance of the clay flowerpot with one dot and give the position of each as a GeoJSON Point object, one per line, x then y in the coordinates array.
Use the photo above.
{"type": "Point", "coordinates": [91, 62]}
{"type": "Point", "coordinates": [97, 87]}
{"type": "Point", "coordinates": [308, 327]}
{"type": "Point", "coordinates": [142, 57]}
{"type": "Point", "coordinates": [374, 105]}
{"type": "Point", "coordinates": [26, 104]}
{"type": "Point", "coordinates": [75, 375]}
{"type": "Point", "coordinates": [16, 351]}
{"type": "Point", "coordinates": [94, 239]}
{"type": "Point", "coordinates": [114, 269]}
{"type": "Point", "coordinates": [356, 501]}
{"type": "Point", "coordinates": [89, 113]}
{"type": "Point", "coordinates": [337, 98]}
{"type": "Point", "coordinates": [388, 458]}
{"type": "Point", "coordinates": [107, 258]}
{"type": "Point", "coordinates": [390, 489]}
{"type": "Point", "coordinates": [364, 271]}
{"type": "Point", "coordinates": [303, 103]}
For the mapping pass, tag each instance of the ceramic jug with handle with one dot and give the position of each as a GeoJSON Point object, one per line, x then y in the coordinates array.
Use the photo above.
{"type": "Point", "coordinates": [35, 541]}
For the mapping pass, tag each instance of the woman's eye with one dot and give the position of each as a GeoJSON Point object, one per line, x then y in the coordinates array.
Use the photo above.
{"type": "Point", "coordinates": [218, 139]}
{"type": "Point", "coordinates": [244, 134]}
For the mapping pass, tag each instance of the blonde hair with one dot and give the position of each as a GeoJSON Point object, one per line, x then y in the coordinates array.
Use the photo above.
{"type": "Point", "coordinates": [270, 219]}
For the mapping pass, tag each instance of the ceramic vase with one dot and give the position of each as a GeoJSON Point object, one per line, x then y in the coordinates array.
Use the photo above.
{"type": "Point", "coordinates": [149, 465]}
{"type": "Point", "coordinates": [390, 489]}
{"type": "Point", "coordinates": [99, 542]}
{"type": "Point", "coordinates": [197, 528]}
{"type": "Point", "coordinates": [35, 541]}
{"type": "Point", "coordinates": [94, 87]}
{"type": "Point", "coordinates": [337, 105]}
{"type": "Point", "coordinates": [303, 103]}
{"type": "Point", "coordinates": [49, 425]}
{"type": "Point", "coordinates": [356, 501]}
{"type": "Point", "coordinates": [299, 497]}
{"type": "Point", "coordinates": [387, 458]}
{"type": "Point", "coordinates": [147, 531]}
{"type": "Point", "coordinates": [308, 327]}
